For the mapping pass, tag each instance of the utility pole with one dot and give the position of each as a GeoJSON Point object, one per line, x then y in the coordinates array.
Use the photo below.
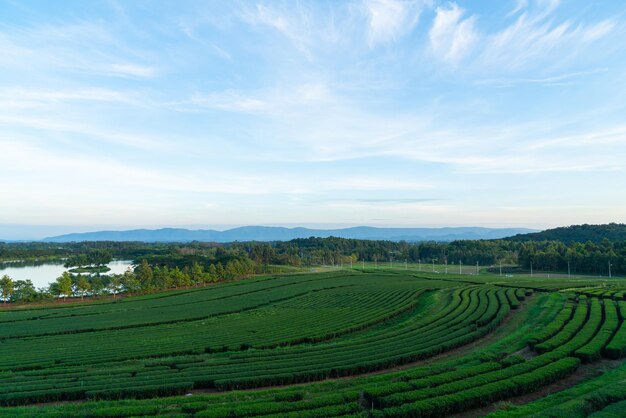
{"type": "Point", "coordinates": [477, 269]}
{"type": "Point", "coordinates": [460, 267]}
{"type": "Point", "coordinates": [609, 269]}
{"type": "Point", "coordinates": [419, 264]}
{"type": "Point", "coordinates": [350, 261]}
{"type": "Point", "coordinates": [568, 269]}
{"type": "Point", "coordinates": [433, 260]}
{"type": "Point", "coordinates": [406, 264]}
{"type": "Point", "coordinates": [363, 263]}
{"type": "Point", "coordinates": [500, 267]}
{"type": "Point", "coordinates": [531, 269]}
{"type": "Point", "coordinates": [446, 266]}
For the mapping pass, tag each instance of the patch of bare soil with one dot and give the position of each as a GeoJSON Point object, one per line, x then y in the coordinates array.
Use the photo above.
{"type": "Point", "coordinates": [526, 352]}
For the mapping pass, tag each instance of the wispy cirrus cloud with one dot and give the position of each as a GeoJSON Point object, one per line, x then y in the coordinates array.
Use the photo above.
{"type": "Point", "coordinates": [555, 80]}
{"type": "Point", "coordinates": [390, 19]}
{"type": "Point", "coordinates": [278, 101]}
{"type": "Point", "coordinates": [398, 200]}
{"type": "Point", "coordinates": [530, 41]}
{"type": "Point", "coordinates": [131, 70]}
{"type": "Point", "coordinates": [296, 23]}
{"type": "Point", "coordinates": [50, 126]}
{"type": "Point", "coordinates": [519, 6]}
{"type": "Point", "coordinates": [344, 26]}
{"type": "Point", "coordinates": [21, 97]}
{"type": "Point", "coordinates": [233, 111]}
{"type": "Point", "coordinates": [452, 36]}
{"type": "Point", "coordinates": [80, 46]}
{"type": "Point", "coordinates": [606, 137]}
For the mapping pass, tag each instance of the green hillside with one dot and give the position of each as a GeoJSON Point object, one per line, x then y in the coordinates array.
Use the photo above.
{"type": "Point", "coordinates": [578, 233]}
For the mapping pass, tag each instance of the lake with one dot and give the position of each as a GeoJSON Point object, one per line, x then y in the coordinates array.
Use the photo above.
{"type": "Point", "coordinates": [44, 273]}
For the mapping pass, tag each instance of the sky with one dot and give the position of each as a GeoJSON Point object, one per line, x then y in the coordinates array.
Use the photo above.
{"type": "Point", "coordinates": [124, 114]}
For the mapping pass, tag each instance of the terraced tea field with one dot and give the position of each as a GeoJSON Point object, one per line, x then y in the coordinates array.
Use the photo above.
{"type": "Point", "coordinates": [348, 342]}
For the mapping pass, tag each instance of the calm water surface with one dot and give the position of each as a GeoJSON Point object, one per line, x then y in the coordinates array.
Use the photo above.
{"type": "Point", "coordinates": [42, 274]}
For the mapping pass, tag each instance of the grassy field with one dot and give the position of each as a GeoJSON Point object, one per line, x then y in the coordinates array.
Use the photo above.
{"type": "Point", "coordinates": [380, 341]}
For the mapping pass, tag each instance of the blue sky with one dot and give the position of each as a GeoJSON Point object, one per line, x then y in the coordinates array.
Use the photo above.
{"type": "Point", "coordinates": [119, 114]}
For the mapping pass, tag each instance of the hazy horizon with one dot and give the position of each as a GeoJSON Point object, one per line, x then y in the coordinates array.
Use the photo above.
{"type": "Point", "coordinates": [39, 232]}
{"type": "Point", "coordinates": [362, 112]}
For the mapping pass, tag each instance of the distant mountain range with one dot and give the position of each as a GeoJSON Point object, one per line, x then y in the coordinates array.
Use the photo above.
{"type": "Point", "coordinates": [266, 233]}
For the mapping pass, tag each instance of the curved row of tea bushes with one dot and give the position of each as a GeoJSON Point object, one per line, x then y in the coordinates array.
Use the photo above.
{"type": "Point", "coordinates": [175, 299]}
{"type": "Point", "coordinates": [617, 346]}
{"type": "Point", "coordinates": [219, 334]}
{"type": "Point", "coordinates": [486, 388]}
{"type": "Point", "coordinates": [475, 396]}
{"type": "Point", "coordinates": [511, 295]}
{"type": "Point", "coordinates": [593, 349]}
{"type": "Point", "coordinates": [569, 329]}
{"type": "Point", "coordinates": [479, 310]}
{"type": "Point", "coordinates": [188, 306]}
{"type": "Point", "coordinates": [443, 388]}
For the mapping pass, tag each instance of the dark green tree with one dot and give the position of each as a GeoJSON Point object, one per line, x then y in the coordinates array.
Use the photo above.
{"type": "Point", "coordinates": [83, 286]}
{"type": "Point", "coordinates": [7, 287]}
{"type": "Point", "coordinates": [64, 283]}
{"type": "Point", "coordinates": [144, 275]}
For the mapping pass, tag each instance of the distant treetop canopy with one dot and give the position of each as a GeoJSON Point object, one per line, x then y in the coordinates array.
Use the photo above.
{"type": "Point", "coordinates": [613, 232]}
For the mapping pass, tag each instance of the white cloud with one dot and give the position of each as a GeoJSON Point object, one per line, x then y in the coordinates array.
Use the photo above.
{"type": "Point", "coordinates": [276, 101]}
{"type": "Point", "coordinates": [231, 100]}
{"type": "Point", "coordinates": [313, 30]}
{"type": "Point", "coordinates": [76, 46]}
{"type": "Point", "coordinates": [310, 101]}
{"type": "Point", "coordinates": [534, 40]}
{"type": "Point", "coordinates": [451, 36]}
{"type": "Point", "coordinates": [189, 31]}
{"type": "Point", "coordinates": [15, 98]}
{"type": "Point", "coordinates": [597, 31]}
{"type": "Point", "coordinates": [555, 80]}
{"type": "Point", "coordinates": [50, 125]}
{"type": "Point", "coordinates": [131, 70]}
{"type": "Point", "coordinates": [390, 19]}
{"type": "Point", "coordinates": [68, 173]}
{"type": "Point", "coordinates": [519, 6]}
{"type": "Point", "coordinates": [296, 24]}
{"type": "Point", "coordinates": [373, 183]}
{"type": "Point", "coordinates": [313, 124]}
{"type": "Point", "coordinates": [548, 6]}
{"type": "Point", "coordinates": [611, 136]}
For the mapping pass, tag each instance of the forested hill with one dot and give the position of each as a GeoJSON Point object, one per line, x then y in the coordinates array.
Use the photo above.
{"type": "Point", "coordinates": [578, 233]}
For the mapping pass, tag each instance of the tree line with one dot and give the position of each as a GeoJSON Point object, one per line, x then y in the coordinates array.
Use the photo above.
{"type": "Point", "coordinates": [93, 257]}
{"type": "Point", "coordinates": [584, 233]}
{"type": "Point", "coordinates": [143, 278]}
{"type": "Point", "coordinates": [553, 256]}
{"type": "Point", "coordinates": [174, 265]}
